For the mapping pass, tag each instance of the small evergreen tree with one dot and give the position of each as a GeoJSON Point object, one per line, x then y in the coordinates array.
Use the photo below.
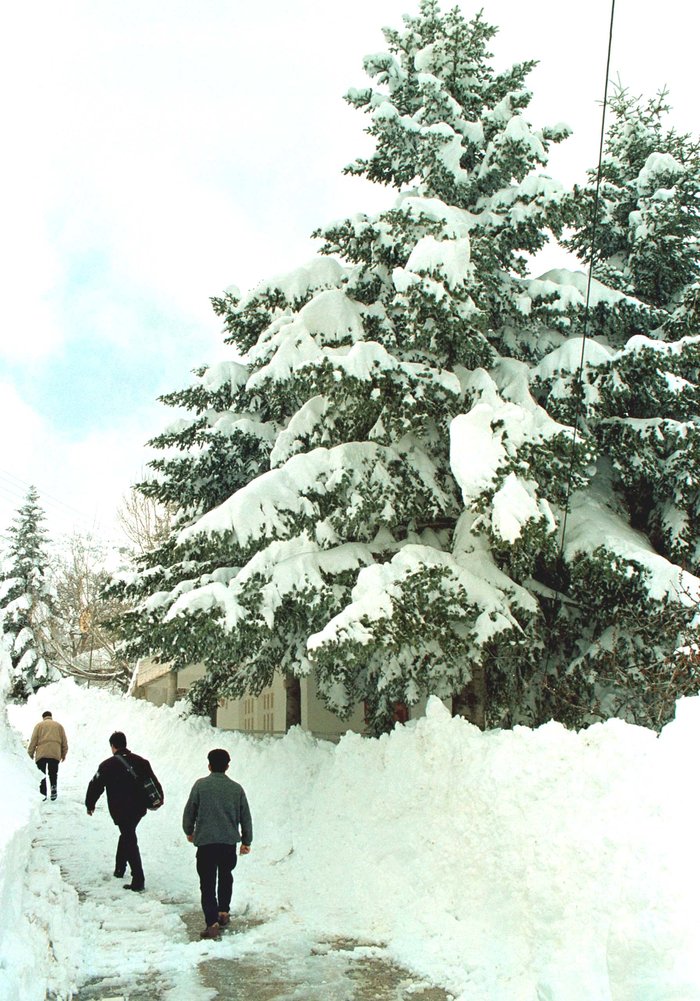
{"type": "Point", "coordinates": [6, 679]}
{"type": "Point", "coordinates": [25, 601]}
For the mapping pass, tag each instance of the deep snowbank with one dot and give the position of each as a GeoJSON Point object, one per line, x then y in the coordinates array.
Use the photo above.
{"type": "Point", "coordinates": [37, 910]}
{"type": "Point", "coordinates": [543, 865]}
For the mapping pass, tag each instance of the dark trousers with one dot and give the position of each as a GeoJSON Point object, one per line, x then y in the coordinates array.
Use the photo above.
{"type": "Point", "coordinates": [128, 850]}
{"type": "Point", "coordinates": [50, 764]}
{"type": "Point", "coordinates": [215, 865]}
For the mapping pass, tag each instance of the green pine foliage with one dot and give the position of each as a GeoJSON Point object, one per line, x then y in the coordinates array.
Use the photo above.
{"type": "Point", "coordinates": [646, 239]}
{"type": "Point", "coordinates": [639, 399]}
{"type": "Point", "coordinates": [25, 601]}
{"type": "Point", "coordinates": [377, 486]}
{"type": "Point", "coordinates": [644, 399]}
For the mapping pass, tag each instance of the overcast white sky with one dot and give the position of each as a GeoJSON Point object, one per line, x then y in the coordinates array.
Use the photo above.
{"type": "Point", "coordinates": [154, 153]}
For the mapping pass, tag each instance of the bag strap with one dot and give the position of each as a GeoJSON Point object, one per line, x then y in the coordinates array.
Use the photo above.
{"type": "Point", "coordinates": [130, 769]}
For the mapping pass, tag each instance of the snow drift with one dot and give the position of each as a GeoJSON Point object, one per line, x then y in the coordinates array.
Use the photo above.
{"type": "Point", "coordinates": [527, 864]}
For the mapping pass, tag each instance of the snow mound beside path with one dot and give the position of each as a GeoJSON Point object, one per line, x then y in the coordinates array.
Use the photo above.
{"type": "Point", "coordinates": [533, 864]}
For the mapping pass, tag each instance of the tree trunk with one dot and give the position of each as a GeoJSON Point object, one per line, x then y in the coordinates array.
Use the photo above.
{"type": "Point", "coordinates": [401, 712]}
{"type": "Point", "coordinates": [471, 701]}
{"type": "Point", "coordinates": [213, 711]}
{"type": "Point", "coordinates": [172, 688]}
{"type": "Point", "coordinates": [292, 687]}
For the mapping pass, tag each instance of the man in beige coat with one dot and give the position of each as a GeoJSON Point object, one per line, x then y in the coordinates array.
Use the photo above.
{"type": "Point", "coordinates": [48, 746]}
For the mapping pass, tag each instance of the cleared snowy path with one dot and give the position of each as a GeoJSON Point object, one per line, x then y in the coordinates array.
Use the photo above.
{"type": "Point", "coordinates": [140, 948]}
{"type": "Point", "coordinates": [146, 946]}
{"type": "Point", "coordinates": [128, 943]}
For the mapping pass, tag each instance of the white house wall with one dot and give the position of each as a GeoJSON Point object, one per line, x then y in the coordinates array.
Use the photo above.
{"type": "Point", "coordinates": [264, 713]}
{"type": "Point", "coordinates": [187, 677]}
{"type": "Point", "coordinates": [319, 720]}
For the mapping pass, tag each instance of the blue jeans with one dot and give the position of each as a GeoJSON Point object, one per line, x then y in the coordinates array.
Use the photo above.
{"type": "Point", "coordinates": [215, 865]}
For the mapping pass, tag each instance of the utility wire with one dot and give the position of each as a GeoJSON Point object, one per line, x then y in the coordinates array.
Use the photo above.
{"type": "Point", "coordinates": [15, 486]}
{"type": "Point", "coordinates": [586, 312]}
{"type": "Point", "coordinates": [579, 376]}
{"type": "Point", "coordinates": [61, 518]}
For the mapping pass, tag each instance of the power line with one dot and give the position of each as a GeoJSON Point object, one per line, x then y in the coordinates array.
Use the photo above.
{"type": "Point", "coordinates": [62, 518]}
{"type": "Point", "coordinates": [25, 485]}
{"type": "Point", "coordinates": [594, 233]}
{"type": "Point", "coordinates": [12, 493]}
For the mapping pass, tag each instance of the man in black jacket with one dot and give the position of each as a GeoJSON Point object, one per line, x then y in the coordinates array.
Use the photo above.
{"type": "Point", "coordinates": [125, 802]}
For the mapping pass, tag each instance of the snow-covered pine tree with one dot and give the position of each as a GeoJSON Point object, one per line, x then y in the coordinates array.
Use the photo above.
{"type": "Point", "coordinates": [377, 486]}
{"type": "Point", "coordinates": [5, 665]}
{"type": "Point", "coordinates": [319, 516]}
{"type": "Point", "coordinates": [25, 600]}
{"type": "Point", "coordinates": [647, 225]}
{"type": "Point", "coordinates": [639, 397]}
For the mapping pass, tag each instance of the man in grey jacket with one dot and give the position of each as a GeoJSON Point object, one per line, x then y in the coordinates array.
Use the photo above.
{"type": "Point", "coordinates": [216, 818]}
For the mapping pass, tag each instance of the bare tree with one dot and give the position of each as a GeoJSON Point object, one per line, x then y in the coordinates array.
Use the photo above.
{"type": "Point", "coordinates": [83, 641]}
{"type": "Point", "coordinates": [144, 521]}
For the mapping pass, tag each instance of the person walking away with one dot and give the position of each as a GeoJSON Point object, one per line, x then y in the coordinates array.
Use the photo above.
{"type": "Point", "coordinates": [125, 802]}
{"type": "Point", "coordinates": [48, 746]}
{"type": "Point", "coordinates": [216, 817]}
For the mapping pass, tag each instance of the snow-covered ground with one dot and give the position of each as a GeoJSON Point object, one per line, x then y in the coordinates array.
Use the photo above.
{"type": "Point", "coordinates": [525, 865]}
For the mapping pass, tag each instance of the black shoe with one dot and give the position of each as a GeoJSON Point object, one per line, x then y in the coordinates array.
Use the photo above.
{"type": "Point", "coordinates": [135, 887]}
{"type": "Point", "coordinates": [119, 873]}
{"type": "Point", "coordinates": [54, 794]}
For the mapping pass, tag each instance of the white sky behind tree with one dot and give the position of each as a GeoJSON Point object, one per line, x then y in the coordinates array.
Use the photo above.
{"type": "Point", "coordinates": [156, 153]}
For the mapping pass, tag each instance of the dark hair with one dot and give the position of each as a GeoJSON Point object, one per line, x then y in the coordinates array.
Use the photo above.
{"type": "Point", "coordinates": [44, 715]}
{"type": "Point", "coordinates": [219, 759]}
{"type": "Point", "coordinates": [118, 740]}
